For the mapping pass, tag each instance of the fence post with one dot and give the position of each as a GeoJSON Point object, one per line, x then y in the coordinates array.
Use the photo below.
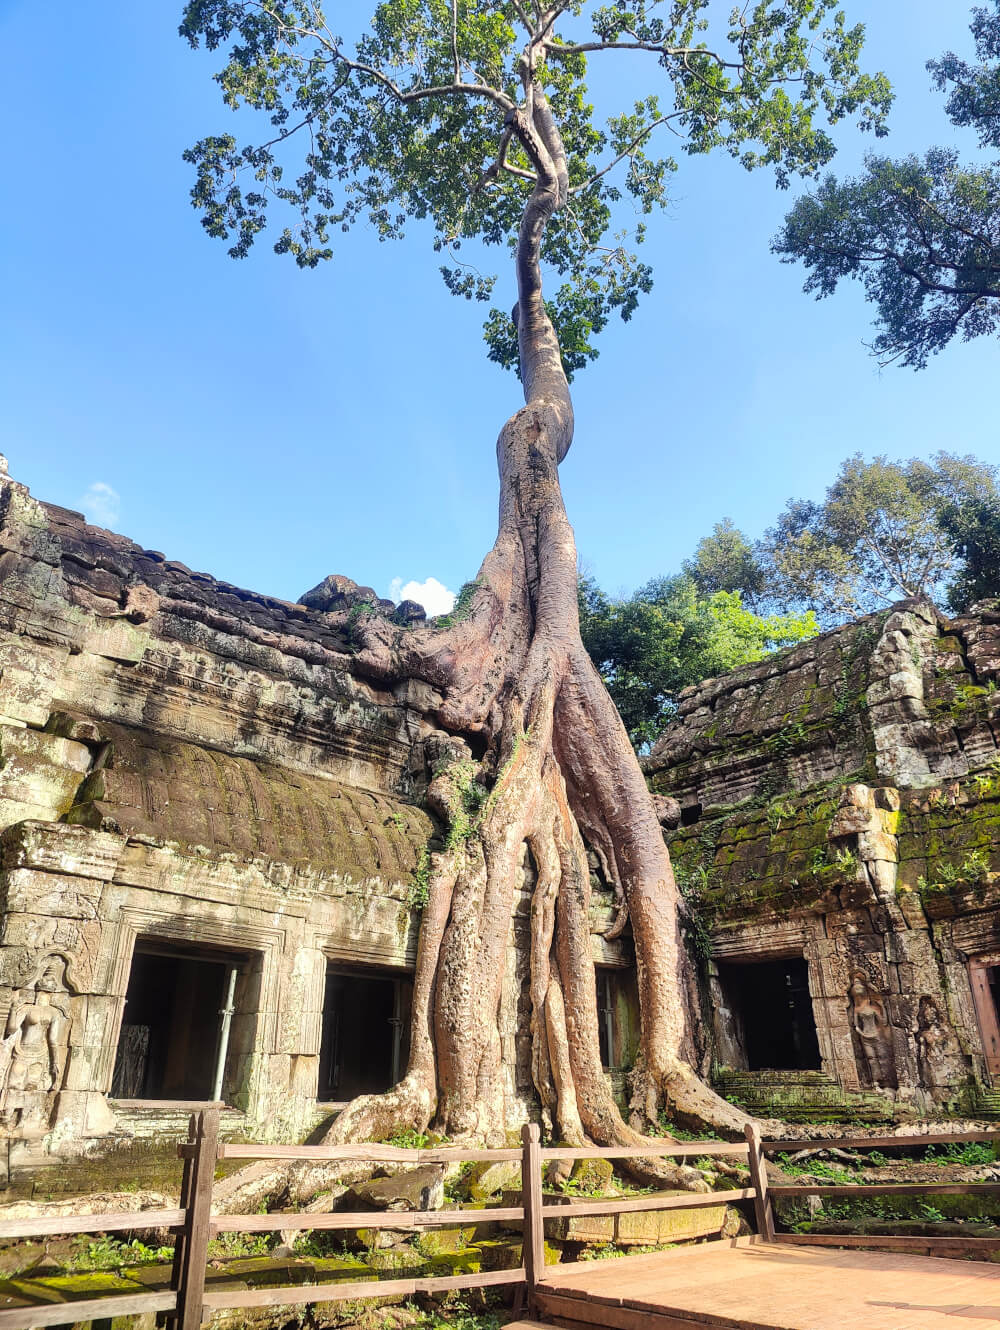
{"type": "Point", "coordinates": [758, 1174]}
{"type": "Point", "coordinates": [191, 1252]}
{"type": "Point", "coordinates": [533, 1234]}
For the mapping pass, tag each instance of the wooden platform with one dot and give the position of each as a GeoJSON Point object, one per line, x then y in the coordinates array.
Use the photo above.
{"type": "Point", "coordinates": [772, 1287]}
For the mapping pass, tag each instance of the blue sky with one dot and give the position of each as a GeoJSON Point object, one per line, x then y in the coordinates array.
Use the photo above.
{"type": "Point", "coordinates": [272, 426]}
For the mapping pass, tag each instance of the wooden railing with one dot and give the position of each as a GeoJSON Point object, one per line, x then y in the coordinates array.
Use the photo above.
{"type": "Point", "coordinates": [188, 1302]}
{"type": "Point", "coordinates": [951, 1246]}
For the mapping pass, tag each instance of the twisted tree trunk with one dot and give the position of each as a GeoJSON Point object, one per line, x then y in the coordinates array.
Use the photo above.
{"type": "Point", "coordinates": [556, 770]}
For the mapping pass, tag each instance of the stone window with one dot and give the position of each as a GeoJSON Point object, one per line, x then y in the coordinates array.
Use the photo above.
{"type": "Point", "coordinates": [176, 1040]}
{"type": "Point", "coordinates": [770, 1009]}
{"type": "Point", "coordinates": [365, 1032]}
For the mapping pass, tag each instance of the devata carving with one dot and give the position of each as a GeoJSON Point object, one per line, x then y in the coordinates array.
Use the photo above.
{"type": "Point", "coordinates": [33, 1049]}
{"type": "Point", "coordinates": [871, 1026]}
{"type": "Point", "coordinates": [937, 1048]}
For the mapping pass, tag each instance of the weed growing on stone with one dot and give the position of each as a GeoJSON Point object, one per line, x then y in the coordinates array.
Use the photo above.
{"type": "Point", "coordinates": [970, 1154]}
{"type": "Point", "coordinates": [420, 887]}
{"type": "Point", "coordinates": [107, 1253]}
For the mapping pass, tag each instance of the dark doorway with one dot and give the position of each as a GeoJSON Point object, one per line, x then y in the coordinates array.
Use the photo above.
{"type": "Point", "coordinates": [365, 1018]}
{"type": "Point", "coordinates": [770, 1003]}
{"type": "Point", "coordinates": [169, 1046]}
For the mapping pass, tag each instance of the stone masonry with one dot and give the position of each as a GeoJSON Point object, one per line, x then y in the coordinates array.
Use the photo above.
{"type": "Point", "coordinates": [840, 805]}
{"type": "Point", "coordinates": [185, 764]}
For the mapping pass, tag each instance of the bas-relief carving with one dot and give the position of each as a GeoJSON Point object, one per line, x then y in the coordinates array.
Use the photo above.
{"type": "Point", "coordinates": [34, 1046]}
{"type": "Point", "coordinates": [873, 1033]}
{"type": "Point", "coordinates": [938, 1056]}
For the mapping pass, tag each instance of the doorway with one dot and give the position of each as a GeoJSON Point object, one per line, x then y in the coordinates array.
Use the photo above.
{"type": "Point", "coordinates": [365, 1033]}
{"type": "Point", "coordinates": [772, 1011]}
{"type": "Point", "coordinates": [984, 977]}
{"type": "Point", "coordinates": [174, 1038]}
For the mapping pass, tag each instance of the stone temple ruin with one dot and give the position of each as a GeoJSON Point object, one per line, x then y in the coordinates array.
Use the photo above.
{"type": "Point", "coordinates": [211, 832]}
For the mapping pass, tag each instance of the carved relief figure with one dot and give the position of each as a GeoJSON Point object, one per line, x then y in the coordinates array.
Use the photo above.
{"type": "Point", "coordinates": [871, 1026]}
{"type": "Point", "coordinates": [33, 1049]}
{"type": "Point", "coordinates": [936, 1046]}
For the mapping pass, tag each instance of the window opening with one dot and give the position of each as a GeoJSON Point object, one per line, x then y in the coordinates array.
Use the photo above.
{"type": "Point", "coordinates": [174, 1040]}
{"type": "Point", "coordinates": [605, 1018]}
{"type": "Point", "coordinates": [365, 1029]}
{"type": "Point", "coordinates": [773, 1011]}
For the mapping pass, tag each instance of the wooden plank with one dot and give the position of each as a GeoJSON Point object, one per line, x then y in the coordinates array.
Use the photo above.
{"type": "Point", "coordinates": [889, 1242]}
{"type": "Point", "coordinates": [90, 1309]}
{"type": "Point", "coordinates": [577, 1312]}
{"type": "Point", "coordinates": [892, 1189]}
{"type": "Point", "coordinates": [396, 1219]}
{"type": "Point", "coordinates": [296, 1294]}
{"type": "Point", "coordinates": [381, 1154]}
{"type": "Point", "coordinates": [692, 1201]}
{"type": "Point", "coordinates": [667, 1149]}
{"type": "Point", "coordinates": [115, 1222]}
{"type": "Point", "coordinates": [877, 1142]}
{"type": "Point", "coordinates": [533, 1237]}
{"type": "Point", "coordinates": [762, 1205]}
{"type": "Point", "coordinates": [191, 1251]}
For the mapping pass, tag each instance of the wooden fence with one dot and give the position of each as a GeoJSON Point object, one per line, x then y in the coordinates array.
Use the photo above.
{"type": "Point", "coordinates": [942, 1246]}
{"type": "Point", "coordinates": [189, 1303]}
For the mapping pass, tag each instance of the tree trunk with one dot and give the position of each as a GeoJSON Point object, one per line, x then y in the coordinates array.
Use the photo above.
{"type": "Point", "coordinates": [557, 770]}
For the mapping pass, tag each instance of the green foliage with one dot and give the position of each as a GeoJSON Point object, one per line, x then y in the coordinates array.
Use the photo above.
{"type": "Point", "coordinates": [458, 1313]}
{"type": "Point", "coordinates": [668, 635]}
{"type": "Point", "coordinates": [815, 1168]}
{"type": "Point", "coordinates": [878, 535]}
{"type": "Point", "coordinates": [420, 886]}
{"type": "Point", "coordinates": [968, 1153]}
{"type": "Point", "coordinates": [973, 527]}
{"type": "Point", "coordinates": [466, 804]}
{"type": "Point", "coordinates": [922, 234]}
{"type": "Point", "coordinates": [107, 1253]}
{"type": "Point", "coordinates": [416, 118]}
{"type": "Point", "coordinates": [236, 1246]}
{"type": "Point", "coordinates": [692, 885]}
{"type": "Point", "coordinates": [410, 1139]}
{"type": "Point", "coordinates": [462, 607]}
{"type": "Point", "coordinates": [726, 561]}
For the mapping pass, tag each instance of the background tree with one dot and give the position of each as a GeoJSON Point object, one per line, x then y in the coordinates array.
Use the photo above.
{"type": "Point", "coordinates": [877, 537]}
{"type": "Point", "coordinates": [474, 116]}
{"type": "Point", "coordinates": [973, 527]}
{"type": "Point", "coordinates": [670, 634]}
{"type": "Point", "coordinates": [726, 561]}
{"type": "Point", "coordinates": [921, 233]}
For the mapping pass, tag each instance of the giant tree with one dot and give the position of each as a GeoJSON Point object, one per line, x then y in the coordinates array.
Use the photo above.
{"type": "Point", "coordinates": [473, 115]}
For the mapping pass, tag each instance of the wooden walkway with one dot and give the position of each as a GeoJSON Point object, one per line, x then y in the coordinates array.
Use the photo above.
{"type": "Point", "coordinates": [765, 1286]}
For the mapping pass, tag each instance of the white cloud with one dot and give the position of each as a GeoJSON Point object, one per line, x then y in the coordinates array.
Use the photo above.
{"type": "Point", "coordinates": [432, 594]}
{"type": "Point", "coordinates": [101, 504]}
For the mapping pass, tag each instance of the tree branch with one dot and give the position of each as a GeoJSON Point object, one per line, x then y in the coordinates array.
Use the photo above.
{"type": "Point", "coordinates": [663, 120]}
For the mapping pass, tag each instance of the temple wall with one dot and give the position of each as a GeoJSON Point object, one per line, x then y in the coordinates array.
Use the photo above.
{"type": "Point", "coordinates": [198, 780]}
{"type": "Point", "coordinates": [840, 804]}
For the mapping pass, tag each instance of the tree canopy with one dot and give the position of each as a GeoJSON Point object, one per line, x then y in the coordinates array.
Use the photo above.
{"type": "Point", "coordinates": [415, 120]}
{"type": "Point", "coordinates": [973, 528]}
{"type": "Point", "coordinates": [877, 537]}
{"type": "Point", "coordinates": [670, 634]}
{"type": "Point", "coordinates": [921, 233]}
